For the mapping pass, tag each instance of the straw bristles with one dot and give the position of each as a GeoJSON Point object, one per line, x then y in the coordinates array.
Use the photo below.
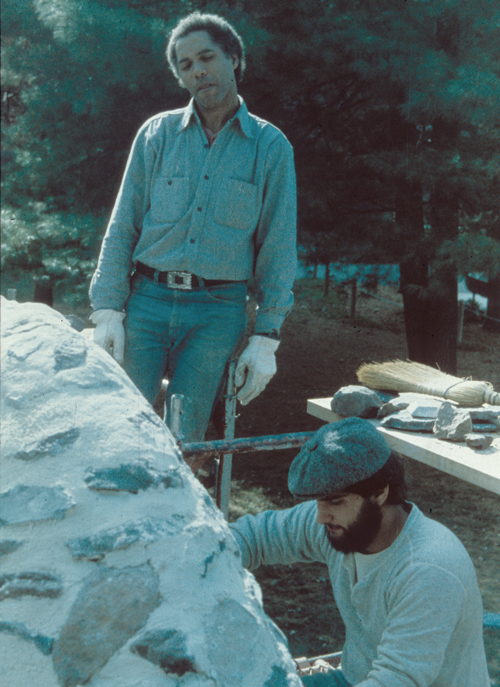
{"type": "Point", "coordinates": [398, 375]}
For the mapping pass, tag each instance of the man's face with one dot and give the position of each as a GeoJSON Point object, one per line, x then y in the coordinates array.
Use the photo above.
{"type": "Point", "coordinates": [351, 521]}
{"type": "Point", "coordinates": [206, 71]}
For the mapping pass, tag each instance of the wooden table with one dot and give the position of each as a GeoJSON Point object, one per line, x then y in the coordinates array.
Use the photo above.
{"type": "Point", "coordinates": [481, 468]}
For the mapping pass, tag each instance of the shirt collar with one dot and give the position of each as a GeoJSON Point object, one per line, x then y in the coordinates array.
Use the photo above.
{"type": "Point", "coordinates": [242, 116]}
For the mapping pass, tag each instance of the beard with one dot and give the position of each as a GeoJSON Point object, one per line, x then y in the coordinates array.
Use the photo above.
{"type": "Point", "coordinates": [360, 534]}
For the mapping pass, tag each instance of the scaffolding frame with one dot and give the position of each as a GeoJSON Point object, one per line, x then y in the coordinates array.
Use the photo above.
{"type": "Point", "coordinates": [224, 449]}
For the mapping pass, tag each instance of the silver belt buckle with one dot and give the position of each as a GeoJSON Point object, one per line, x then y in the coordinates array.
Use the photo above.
{"type": "Point", "coordinates": [179, 280]}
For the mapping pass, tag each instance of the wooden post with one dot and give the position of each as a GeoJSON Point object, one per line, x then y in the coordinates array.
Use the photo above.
{"type": "Point", "coordinates": [461, 310]}
{"type": "Point", "coordinates": [326, 287]}
{"type": "Point", "coordinates": [223, 481]}
{"type": "Point", "coordinates": [354, 285]}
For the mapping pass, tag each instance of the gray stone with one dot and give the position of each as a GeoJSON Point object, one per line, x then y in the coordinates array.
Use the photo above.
{"type": "Point", "coordinates": [279, 678]}
{"type": "Point", "coordinates": [14, 401]}
{"type": "Point", "coordinates": [44, 644]}
{"type": "Point", "coordinates": [15, 585]}
{"type": "Point", "coordinates": [9, 546]}
{"type": "Point", "coordinates": [70, 353]}
{"type": "Point", "coordinates": [132, 478]}
{"type": "Point", "coordinates": [405, 421]}
{"type": "Point", "coordinates": [49, 446]}
{"type": "Point", "coordinates": [427, 409]}
{"type": "Point", "coordinates": [95, 547]}
{"type": "Point", "coordinates": [30, 504]}
{"type": "Point", "coordinates": [356, 401]}
{"type": "Point", "coordinates": [452, 423]}
{"type": "Point", "coordinates": [76, 322]}
{"type": "Point", "coordinates": [165, 648]}
{"type": "Point", "coordinates": [209, 560]}
{"type": "Point", "coordinates": [484, 414]}
{"type": "Point", "coordinates": [391, 407]}
{"type": "Point", "coordinates": [24, 350]}
{"type": "Point", "coordinates": [230, 621]}
{"type": "Point", "coordinates": [481, 427]}
{"type": "Point", "coordinates": [145, 418]}
{"type": "Point", "coordinates": [95, 381]}
{"type": "Point", "coordinates": [113, 605]}
{"type": "Point", "coordinates": [478, 441]}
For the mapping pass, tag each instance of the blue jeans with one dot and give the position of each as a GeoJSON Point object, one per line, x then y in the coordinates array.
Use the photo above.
{"type": "Point", "coordinates": [187, 336]}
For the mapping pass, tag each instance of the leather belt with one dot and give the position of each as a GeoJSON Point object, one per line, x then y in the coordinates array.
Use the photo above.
{"type": "Point", "coordinates": [179, 279]}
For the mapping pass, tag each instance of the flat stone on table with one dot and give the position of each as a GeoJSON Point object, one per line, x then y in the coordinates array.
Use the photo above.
{"type": "Point", "coordinates": [484, 414]}
{"type": "Point", "coordinates": [481, 427]}
{"type": "Point", "coordinates": [356, 401]}
{"type": "Point", "coordinates": [405, 421]}
{"type": "Point", "coordinates": [393, 406]}
{"type": "Point", "coordinates": [427, 408]}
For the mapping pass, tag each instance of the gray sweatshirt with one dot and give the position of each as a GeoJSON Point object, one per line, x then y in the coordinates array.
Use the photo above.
{"type": "Point", "coordinates": [415, 617]}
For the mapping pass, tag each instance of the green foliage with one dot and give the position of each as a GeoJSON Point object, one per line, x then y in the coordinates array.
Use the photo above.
{"type": "Point", "coordinates": [368, 91]}
{"type": "Point", "coordinates": [60, 246]}
{"type": "Point", "coordinates": [473, 252]}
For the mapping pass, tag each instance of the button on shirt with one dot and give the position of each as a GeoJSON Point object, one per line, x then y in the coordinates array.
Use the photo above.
{"type": "Point", "coordinates": [227, 211]}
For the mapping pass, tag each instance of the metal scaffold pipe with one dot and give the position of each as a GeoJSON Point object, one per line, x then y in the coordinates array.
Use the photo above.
{"type": "Point", "coordinates": [245, 445]}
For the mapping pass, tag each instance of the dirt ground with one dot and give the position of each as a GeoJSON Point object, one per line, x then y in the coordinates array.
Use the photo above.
{"type": "Point", "coordinates": [320, 352]}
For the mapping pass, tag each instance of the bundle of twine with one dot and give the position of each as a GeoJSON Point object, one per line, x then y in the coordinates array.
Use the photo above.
{"type": "Point", "coordinates": [400, 375]}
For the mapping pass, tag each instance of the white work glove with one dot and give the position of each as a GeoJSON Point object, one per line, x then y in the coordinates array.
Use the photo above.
{"type": "Point", "coordinates": [256, 367]}
{"type": "Point", "coordinates": [110, 332]}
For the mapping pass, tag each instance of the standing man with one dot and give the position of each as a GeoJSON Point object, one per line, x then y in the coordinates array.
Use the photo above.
{"type": "Point", "coordinates": [208, 200]}
{"type": "Point", "coordinates": [404, 585]}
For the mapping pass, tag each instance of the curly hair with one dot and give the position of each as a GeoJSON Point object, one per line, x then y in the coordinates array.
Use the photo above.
{"type": "Point", "coordinates": [392, 473]}
{"type": "Point", "coordinates": [219, 30]}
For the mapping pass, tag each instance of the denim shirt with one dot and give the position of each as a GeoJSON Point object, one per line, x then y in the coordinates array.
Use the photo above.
{"type": "Point", "coordinates": [227, 211]}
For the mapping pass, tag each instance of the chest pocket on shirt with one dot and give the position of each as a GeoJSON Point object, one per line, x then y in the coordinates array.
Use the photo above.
{"type": "Point", "coordinates": [237, 204]}
{"type": "Point", "coordinates": [169, 199]}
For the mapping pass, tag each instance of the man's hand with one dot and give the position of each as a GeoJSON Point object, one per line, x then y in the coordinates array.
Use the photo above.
{"type": "Point", "coordinates": [256, 367]}
{"type": "Point", "coordinates": [109, 332]}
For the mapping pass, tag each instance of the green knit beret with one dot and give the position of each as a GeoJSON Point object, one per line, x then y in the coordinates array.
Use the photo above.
{"type": "Point", "coordinates": [336, 457]}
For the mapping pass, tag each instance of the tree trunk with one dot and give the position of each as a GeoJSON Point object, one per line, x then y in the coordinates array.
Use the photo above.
{"type": "Point", "coordinates": [429, 288]}
{"type": "Point", "coordinates": [444, 284]}
{"type": "Point", "coordinates": [414, 267]}
{"type": "Point", "coordinates": [44, 291]}
{"type": "Point", "coordinates": [493, 310]}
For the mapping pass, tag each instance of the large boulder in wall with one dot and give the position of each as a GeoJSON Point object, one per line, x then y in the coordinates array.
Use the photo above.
{"type": "Point", "coordinates": [117, 570]}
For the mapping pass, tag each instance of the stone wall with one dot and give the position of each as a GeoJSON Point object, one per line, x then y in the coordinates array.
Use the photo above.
{"type": "Point", "coordinates": [117, 570]}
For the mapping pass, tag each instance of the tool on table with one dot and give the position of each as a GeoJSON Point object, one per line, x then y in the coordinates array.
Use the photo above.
{"type": "Point", "coordinates": [400, 375]}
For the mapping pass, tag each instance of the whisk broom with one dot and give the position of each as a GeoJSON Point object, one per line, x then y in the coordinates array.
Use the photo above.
{"type": "Point", "coordinates": [398, 375]}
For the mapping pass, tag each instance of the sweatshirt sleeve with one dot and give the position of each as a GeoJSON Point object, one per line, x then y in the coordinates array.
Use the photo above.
{"type": "Point", "coordinates": [424, 607]}
{"type": "Point", "coordinates": [110, 285]}
{"type": "Point", "coordinates": [287, 536]}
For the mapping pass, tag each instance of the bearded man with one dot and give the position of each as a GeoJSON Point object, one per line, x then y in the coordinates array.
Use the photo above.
{"type": "Point", "coordinates": [404, 585]}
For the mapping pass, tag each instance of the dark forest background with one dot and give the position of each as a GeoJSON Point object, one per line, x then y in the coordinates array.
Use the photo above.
{"type": "Point", "coordinates": [392, 106]}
